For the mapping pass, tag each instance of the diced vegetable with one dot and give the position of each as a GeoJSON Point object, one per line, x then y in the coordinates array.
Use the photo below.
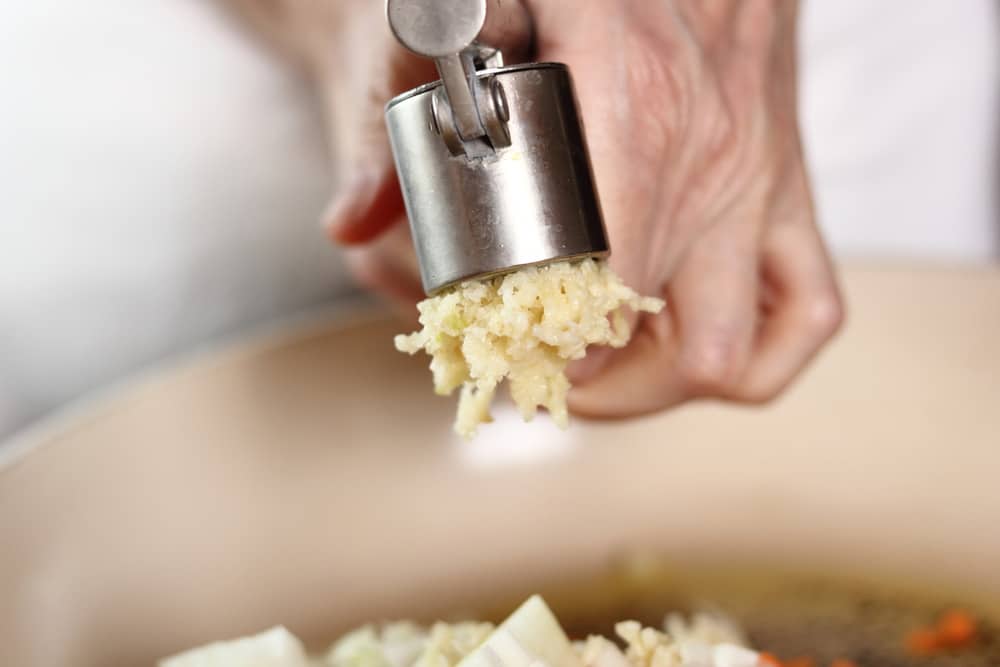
{"type": "Point", "coordinates": [530, 635]}
{"type": "Point", "coordinates": [276, 647]}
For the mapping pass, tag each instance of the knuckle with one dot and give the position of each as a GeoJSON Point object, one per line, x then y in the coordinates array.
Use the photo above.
{"type": "Point", "coordinates": [826, 314]}
{"type": "Point", "coordinates": [662, 84]}
{"type": "Point", "coordinates": [365, 271]}
{"type": "Point", "coordinates": [658, 89]}
{"type": "Point", "coordinates": [712, 366]}
{"type": "Point", "coordinates": [760, 394]}
{"type": "Point", "coordinates": [726, 132]}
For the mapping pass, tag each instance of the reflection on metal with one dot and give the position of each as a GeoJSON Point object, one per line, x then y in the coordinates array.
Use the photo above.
{"type": "Point", "coordinates": [492, 160]}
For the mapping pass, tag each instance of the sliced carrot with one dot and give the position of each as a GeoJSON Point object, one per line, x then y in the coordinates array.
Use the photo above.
{"type": "Point", "coordinates": [843, 662]}
{"type": "Point", "coordinates": [923, 641]}
{"type": "Point", "coordinates": [800, 662]}
{"type": "Point", "coordinates": [766, 659]}
{"type": "Point", "coordinates": [956, 628]}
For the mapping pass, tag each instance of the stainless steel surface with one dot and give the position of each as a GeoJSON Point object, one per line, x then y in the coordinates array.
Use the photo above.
{"type": "Point", "coordinates": [531, 202]}
{"type": "Point", "coordinates": [458, 74]}
{"type": "Point", "coordinates": [439, 28]}
{"type": "Point", "coordinates": [494, 114]}
{"type": "Point", "coordinates": [492, 162]}
{"type": "Point", "coordinates": [458, 35]}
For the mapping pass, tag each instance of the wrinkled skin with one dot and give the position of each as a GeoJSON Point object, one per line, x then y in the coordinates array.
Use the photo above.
{"type": "Point", "coordinates": [690, 112]}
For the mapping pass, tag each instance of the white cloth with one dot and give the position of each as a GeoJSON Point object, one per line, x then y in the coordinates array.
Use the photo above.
{"type": "Point", "coordinates": [162, 176]}
{"type": "Point", "coordinates": [162, 182]}
{"type": "Point", "coordinates": [900, 117]}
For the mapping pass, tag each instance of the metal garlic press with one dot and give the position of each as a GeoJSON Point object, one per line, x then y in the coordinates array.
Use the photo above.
{"type": "Point", "coordinates": [491, 159]}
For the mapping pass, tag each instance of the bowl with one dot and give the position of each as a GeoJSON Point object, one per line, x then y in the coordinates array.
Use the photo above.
{"type": "Point", "coordinates": [310, 478]}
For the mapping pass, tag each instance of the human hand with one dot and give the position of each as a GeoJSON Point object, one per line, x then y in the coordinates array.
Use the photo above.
{"type": "Point", "coordinates": [690, 114]}
{"type": "Point", "coordinates": [690, 110]}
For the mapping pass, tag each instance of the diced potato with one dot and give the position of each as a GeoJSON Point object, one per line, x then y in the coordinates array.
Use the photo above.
{"type": "Point", "coordinates": [529, 636]}
{"type": "Point", "coordinates": [276, 647]}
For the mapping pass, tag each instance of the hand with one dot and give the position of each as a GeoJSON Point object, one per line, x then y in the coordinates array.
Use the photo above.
{"type": "Point", "coordinates": [690, 110]}
{"type": "Point", "coordinates": [690, 114]}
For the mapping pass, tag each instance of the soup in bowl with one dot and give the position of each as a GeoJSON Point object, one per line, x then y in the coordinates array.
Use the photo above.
{"type": "Point", "coordinates": [310, 479]}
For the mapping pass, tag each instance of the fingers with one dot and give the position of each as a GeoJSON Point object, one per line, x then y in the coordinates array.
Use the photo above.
{"type": "Point", "coordinates": [712, 342]}
{"type": "Point", "coordinates": [388, 266]}
{"type": "Point", "coordinates": [369, 200]}
{"type": "Point", "coordinates": [365, 209]}
{"type": "Point", "coordinates": [699, 346]}
{"type": "Point", "coordinates": [807, 309]}
{"type": "Point", "coordinates": [709, 344]}
{"type": "Point", "coordinates": [598, 357]}
{"type": "Point", "coordinates": [715, 301]}
{"type": "Point", "coordinates": [635, 381]}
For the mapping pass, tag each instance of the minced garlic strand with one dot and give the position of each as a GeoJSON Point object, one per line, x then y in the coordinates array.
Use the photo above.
{"type": "Point", "coordinates": [524, 326]}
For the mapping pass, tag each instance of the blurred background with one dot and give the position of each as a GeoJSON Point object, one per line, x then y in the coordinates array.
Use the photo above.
{"type": "Point", "coordinates": [163, 173]}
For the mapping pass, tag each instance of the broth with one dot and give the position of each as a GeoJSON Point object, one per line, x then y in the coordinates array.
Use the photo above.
{"type": "Point", "coordinates": [823, 617]}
